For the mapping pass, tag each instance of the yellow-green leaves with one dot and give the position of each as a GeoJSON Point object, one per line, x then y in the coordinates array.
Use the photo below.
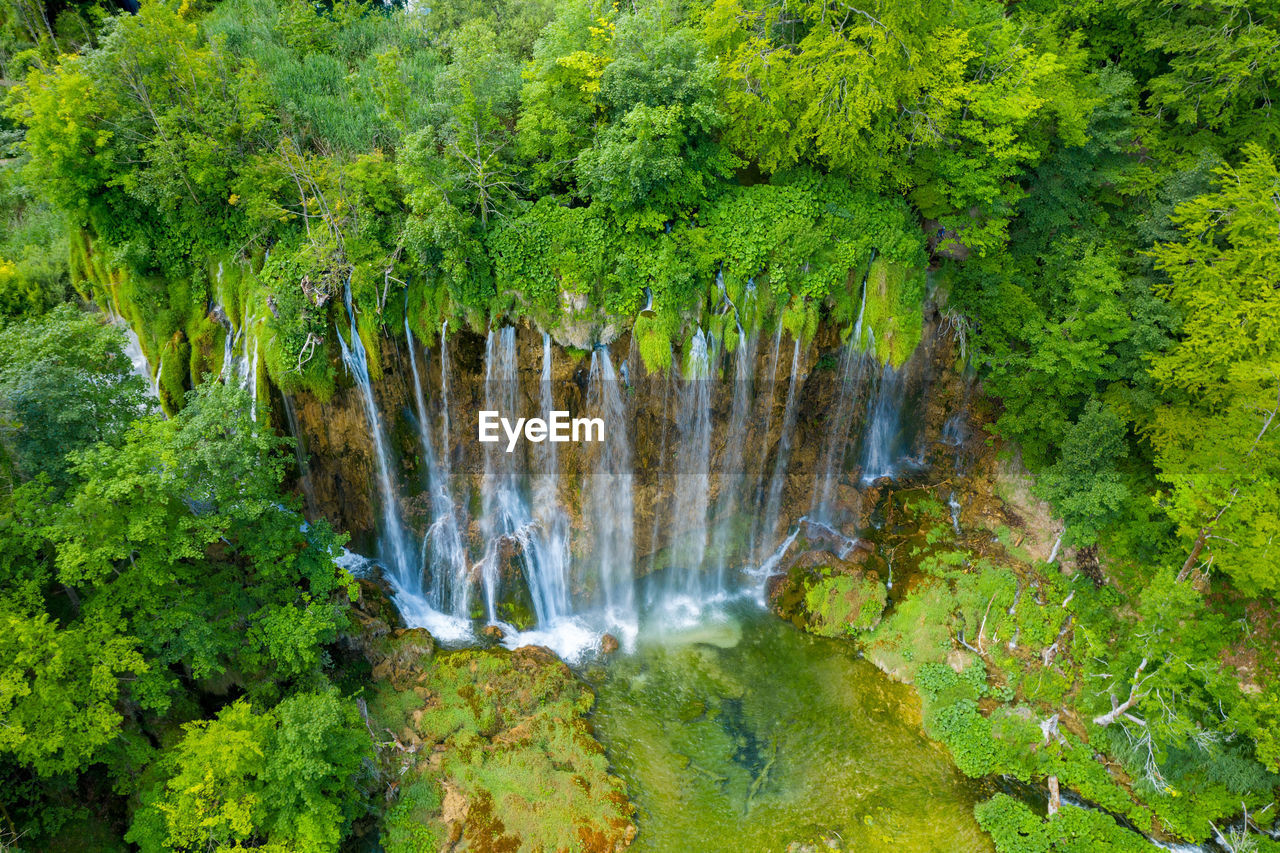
{"type": "Point", "coordinates": [1218, 438]}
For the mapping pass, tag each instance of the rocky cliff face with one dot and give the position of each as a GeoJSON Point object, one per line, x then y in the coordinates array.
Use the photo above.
{"type": "Point", "coordinates": [750, 428]}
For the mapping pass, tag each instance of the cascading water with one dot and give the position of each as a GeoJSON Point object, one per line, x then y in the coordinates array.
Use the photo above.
{"type": "Point", "coordinates": [551, 595]}
{"type": "Point", "coordinates": [883, 442]}
{"type": "Point", "coordinates": [733, 456]}
{"type": "Point", "coordinates": [506, 520]}
{"type": "Point", "coordinates": [609, 501]}
{"type": "Point", "coordinates": [554, 557]}
{"type": "Point", "coordinates": [757, 496]}
{"type": "Point", "coordinates": [133, 349]}
{"type": "Point", "coordinates": [300, 456]}
{"type": "Point", "coordinates": [656, 529]}
{"type": "Point", "coordinates": [404, 575]}
{"type": "Point", "coordinates": [443, 556]}
{"type": "Point", "coordinates": [852, 372]}
{"type": "Point", "coordinates": [776, 482]}
{"type": "Point", "coordinates": [692, 478]}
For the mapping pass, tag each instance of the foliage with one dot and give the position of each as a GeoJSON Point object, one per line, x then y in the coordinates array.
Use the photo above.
{"type": "Point", "coordinates": [513, 747]}
{"type": "Point", "coordinates": [1015, 828]}
{"type": "Point", "coordinates": [1216, 437]}
{"type": "Point", "coordinates": [65, 385]}
{"type": "Point", "coordinates": [282, 778]}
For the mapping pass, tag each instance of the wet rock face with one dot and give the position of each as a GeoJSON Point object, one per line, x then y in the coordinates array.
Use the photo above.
{"type": "Point", "coordinates": [342, 468]}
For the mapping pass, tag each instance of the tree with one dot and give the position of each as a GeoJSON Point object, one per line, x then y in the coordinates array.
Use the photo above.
{"type": "Point", "coordinates": [1084, 485]}
{"type": "Point", "coordinates": [1217, 440]}
{"type": "Point", "coordinates": [948, 103]}
{"type": "Point", "coordinates": [65, 385]}
{"type": "Point", "coordinates": [179, 534]}
{"type": "Point", "coordinates": [59, 689]}
{"type": "Point", "coordinates": [284, 779]}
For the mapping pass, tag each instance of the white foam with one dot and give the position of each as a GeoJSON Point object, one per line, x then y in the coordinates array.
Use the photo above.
{"type": "Point", "coordinates": [570, 639]}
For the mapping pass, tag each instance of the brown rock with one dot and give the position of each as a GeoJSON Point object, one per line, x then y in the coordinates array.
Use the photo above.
{"type": "Point", "coordinates": [608, 644]}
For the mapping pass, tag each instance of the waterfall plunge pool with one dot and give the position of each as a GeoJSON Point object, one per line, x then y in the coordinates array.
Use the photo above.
{"type": "Point", "coordinates": [745, 734]}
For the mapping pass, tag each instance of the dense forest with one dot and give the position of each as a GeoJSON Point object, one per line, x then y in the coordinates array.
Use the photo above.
{"type": "Point", "coordinates": [1081, 198]}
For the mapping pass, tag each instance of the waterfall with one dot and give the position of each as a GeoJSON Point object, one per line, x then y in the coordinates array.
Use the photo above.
{"type": "Point", "coordinates": [137, 358]}
{"type": "Point", "coordinates": [853, 363]}
{"type": "Point", "coordinates": [253, 382]}
{"type": "Point", "coordinates": [404, 575]}
{"type": "Point", "coordinates": [776, 482]}
{"type": "Point", "coordinates": [506, 521]}
{"type": "Point", "coordinates": [242, 368]}
{"type": "Point", "coordinates": [446, 457]}
{"type": "Point", "coordinates": [692, 475]}
{"type": "Point", "coordinates": [228, 347]}
{"type": "Point", "coordinates": [551, 594]}
{"type": "Point", "coordinates": [443, 557]}
{"type": "Point", "coordinates": [609, 502]}
{"type": "Point", "coordinates": [762, 452]}
{"type": "Point", "coordinates": [658, 473]}
{"type": "Point", "coordinates": [551, 556]}
{"type": "Point", "coordinates": [733, 455]}
{"type": "Point", "coordinates": [883, 443]}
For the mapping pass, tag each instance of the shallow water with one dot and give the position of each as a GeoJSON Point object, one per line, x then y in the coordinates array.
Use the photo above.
{"type": "Point", "coordinates": [749, 735]}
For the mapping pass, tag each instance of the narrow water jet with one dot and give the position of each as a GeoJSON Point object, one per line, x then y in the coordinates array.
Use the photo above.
{"type": "Point", "coordinates": [692, 475]}
{"type": "Point", "coordinates": [733, 456]}
{"type": "Point", "coordinates": [443, 556]}
{"type": "Point", "coordinates": [404, 576]}
{"type": "Point", "coordinates": [757, 496]}
{"type": "Point", "coordinates": [778, 480]}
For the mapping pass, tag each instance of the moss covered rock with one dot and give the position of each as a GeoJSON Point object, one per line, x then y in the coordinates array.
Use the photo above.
{"type": "Point", "coordinates": [831, 597]}
{"type": "Point", "coordinates": [490, 750]}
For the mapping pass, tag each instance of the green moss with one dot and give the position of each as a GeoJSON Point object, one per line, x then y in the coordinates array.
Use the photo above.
{"type": "Point", "coordinates": [841, 605]}
{"type": "Point", "coordinates": [654, 343]}
{"type": "Point", "coordinates": [207, 337]}
{"type": "Point", "coordinates": [800, 319]}
{"type": "Point", "coordinates": [893, 316]}
{"type": "Point", "coordinates": [515, 764]}
{"type": "Point", "coordinates": [172, 384]}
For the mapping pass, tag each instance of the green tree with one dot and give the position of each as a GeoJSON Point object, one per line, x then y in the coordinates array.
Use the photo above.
{"type": "Point", "coordinates": [1217, 439]}
{"type": "Point", "coordinates": [1084, 484]}
{"type": "Point", "coordinates": [284, 779]}
{"type": "Point", "coordinates": [179, 535]}
{"type": "Point", "coordinates": [60, 689]}
{"type": "Point", "coordinates": [65, 385]}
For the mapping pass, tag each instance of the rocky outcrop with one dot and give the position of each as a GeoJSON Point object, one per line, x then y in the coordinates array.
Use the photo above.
{"type": "Point", "coordinates": [828, 595]}
{"type": "Point", "coordinates": [484, 749]}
